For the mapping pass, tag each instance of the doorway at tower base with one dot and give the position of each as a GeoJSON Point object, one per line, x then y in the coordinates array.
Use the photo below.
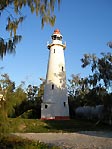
{"type": "Point", "coordinates": [56, 118]}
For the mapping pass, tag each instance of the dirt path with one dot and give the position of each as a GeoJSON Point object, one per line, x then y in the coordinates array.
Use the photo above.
{"type": "Point", "coordinates": [81, 140]}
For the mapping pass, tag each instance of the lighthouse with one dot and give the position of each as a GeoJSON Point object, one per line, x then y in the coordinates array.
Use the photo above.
{"type": "Point", "coordinates": [55, 99]}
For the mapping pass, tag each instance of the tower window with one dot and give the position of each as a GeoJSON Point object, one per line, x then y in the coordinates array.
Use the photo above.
{"type": "Point", "coordinates": [62, 68]}
{"type": "Point", "coordinates": [54, 37]}
{"type": "Point", "coordinates": [60, 81]}
{"type": "Point", "coordinates": [58, 38]}
{"type": "Point", "coordinates": [54, 50]}
{"type": "Point", "coordinates": [64, 104]}
{"type": "Point", "coordinates": [52, 86]}
{"type": "Point", "coordinates": [46, 106]}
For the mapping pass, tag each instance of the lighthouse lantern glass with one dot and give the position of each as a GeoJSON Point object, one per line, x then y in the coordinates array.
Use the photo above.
{"type": "Point", "coordinates": [56, 37]}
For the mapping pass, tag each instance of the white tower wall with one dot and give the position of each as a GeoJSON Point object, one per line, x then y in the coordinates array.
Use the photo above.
{"type": "Point", "coordinates": [55, 100]}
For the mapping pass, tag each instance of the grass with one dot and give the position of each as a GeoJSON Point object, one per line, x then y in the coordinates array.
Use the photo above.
{"type": "Point", "coordinates": [39, 126]}
{"type": "Point", "coordinates": [14, 142]}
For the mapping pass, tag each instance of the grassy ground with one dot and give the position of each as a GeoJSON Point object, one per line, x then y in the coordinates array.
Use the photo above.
{"type": "Point", "coordinates": [14, 142]}
{"type": "Point", "coordinates": [38, 126]}
{"type": "Point", "coordinates": [33, 125]}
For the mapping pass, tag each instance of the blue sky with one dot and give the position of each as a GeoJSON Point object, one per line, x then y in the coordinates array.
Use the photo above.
{"type": "Point", "coordinates": [86, 26]}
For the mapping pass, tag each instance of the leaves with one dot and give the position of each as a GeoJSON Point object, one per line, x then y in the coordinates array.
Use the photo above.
{"type": "Point", "coordinates": [101, 68]}
{"type": "Point", "coordinates": [109, 44]}
{"type": "Point", "coordinates": [13, 25]}
{"type": "Point", "coordinates": [96, 88]}
{"type": "Point", "coordinates": [43, 8]}
{"type": "Point", "coordinates": [9, 46]}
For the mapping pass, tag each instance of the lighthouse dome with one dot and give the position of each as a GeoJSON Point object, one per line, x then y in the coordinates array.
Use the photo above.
{"type": "Point", "coordinates": [56, 35]}
{"type": "Point", "coordinates": [56, 39]}
{"type": "Point", "coordinates": [56, 31]}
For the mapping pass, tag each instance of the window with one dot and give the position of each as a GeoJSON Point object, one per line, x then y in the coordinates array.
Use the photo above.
{"type": "Point", "coordinates": [46, 106]}
{"type": "Point", "coordinates": [54, 50]}
{"type": "Point", "coordinates": [64, 104]}
{"type": "Point", "coordinates": [52, 86]}
{"type": "Point", "coordinates": [62, 68]}
{"type": "Point", "coordinates": [58, 38]}
{"type": "Point", "coordinates": [60, 81]}
{"type": "Point", "coordinates": [54, 37]}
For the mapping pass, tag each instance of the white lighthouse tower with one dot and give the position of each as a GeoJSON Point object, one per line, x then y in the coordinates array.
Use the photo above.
{"type": "Point", "coordinates": [55, 99]}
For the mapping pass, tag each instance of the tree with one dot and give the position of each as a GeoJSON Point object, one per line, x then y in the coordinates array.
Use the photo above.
{"type": "Point", "coordinates": [109, 44]}
{"type": "Point", "coordinates": [41, 89]}
{"type": "Point", "coordinates": [31, 92]}
{"type": "Point", "coordinates": [7, 88]}
{"type": "Point", "coordinates": [101, 69]}
{"type": "Point", "coordinates": [78, 87]}
{"type": "Point", "coordinates": [31, 106]}
{"type": "Point", "coordinates": [94, 89]}
{"type": "Point", "coordinates": [100, 81]}
{"type": "Point", "coordinates": [6, 93]}
{"type": "Point", "coordinates": [12, 96]}
{"type": "Point", "coordinates": [13, 8]}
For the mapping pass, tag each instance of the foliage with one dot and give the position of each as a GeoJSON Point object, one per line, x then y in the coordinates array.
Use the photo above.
{"type": "Point", "coordinates": [18, 101]}
{"type": "Point", "coordinates": [6, 88]}
{"type": "Point", "coordinates": [13, 10]}
{"type": "Point", "coordinates": [101, 69]}
{"type": "Point", "coordinates": [13, 96]}
{"type": "Point", "coordinates": [100, 78]}
{"type": "Point", "coordinates": [41, 88]}
{"type": "Point", "coordinates": [31, 107]}
{"type": "Point", "coordinates": [109, 44]}
{"type": "Point", "coordinates": [31, 92]}
{"type": "Point", "coordinates": [94, 89]}
{"type": "Point", "coordinates": [78, 86]}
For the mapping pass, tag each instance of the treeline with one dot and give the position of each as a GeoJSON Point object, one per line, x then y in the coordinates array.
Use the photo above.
{"type": "Point", "coordinates": [15, 101]}
{"type": "Point", "coordinates": [96, 88]}
{"type": "Point", "coordinates": [93, 90]}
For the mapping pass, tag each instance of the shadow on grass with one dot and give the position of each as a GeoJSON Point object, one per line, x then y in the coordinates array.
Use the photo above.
{"type": "Point", "coordinates": [45, 126]}
{"type": "Point", "coordinates": [76, 125]}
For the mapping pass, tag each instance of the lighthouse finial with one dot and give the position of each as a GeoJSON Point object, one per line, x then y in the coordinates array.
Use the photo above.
{"type": "Point", "coordinates": [57, 31]}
